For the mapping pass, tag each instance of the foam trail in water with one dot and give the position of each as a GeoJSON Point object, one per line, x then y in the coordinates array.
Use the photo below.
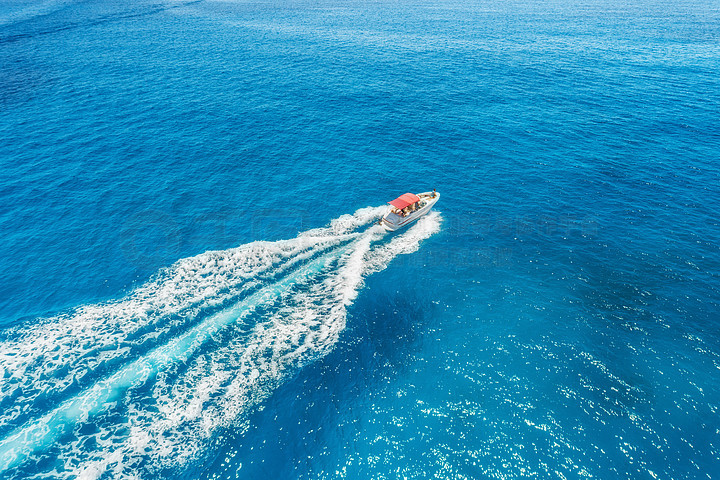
{"type": "Point", "coordinates": [93, 401]}
{"type": "Point", "coordinates": [161, 409]}
{"type": "Point", "coordinates": [45, 359]}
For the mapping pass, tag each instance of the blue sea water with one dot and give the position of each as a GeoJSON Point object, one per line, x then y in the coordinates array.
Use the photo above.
{"type": "Point", "coordinates": [193, 285]}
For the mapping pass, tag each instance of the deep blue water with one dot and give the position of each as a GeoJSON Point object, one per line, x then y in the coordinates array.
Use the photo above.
{"type": "Point", "coordinates": [193, 285]}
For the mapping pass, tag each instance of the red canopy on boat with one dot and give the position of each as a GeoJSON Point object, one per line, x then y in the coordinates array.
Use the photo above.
{"type": "Point", "coordinates": [404, 200]}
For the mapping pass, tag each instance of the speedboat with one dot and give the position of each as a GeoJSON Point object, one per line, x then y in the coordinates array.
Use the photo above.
{"type": "Point", "coordinates": [407, 208]}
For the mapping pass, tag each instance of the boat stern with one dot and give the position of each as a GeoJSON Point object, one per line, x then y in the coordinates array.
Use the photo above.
{"type": "Point", "coordinates": [388, 224]}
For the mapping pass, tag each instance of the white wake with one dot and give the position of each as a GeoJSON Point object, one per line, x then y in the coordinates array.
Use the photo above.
{"type": "Point", "coordinates": [193, 350]}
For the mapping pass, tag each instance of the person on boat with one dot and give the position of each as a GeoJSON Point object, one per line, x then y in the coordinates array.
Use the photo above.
{"type": "Point", "coordinates": [434, 193]}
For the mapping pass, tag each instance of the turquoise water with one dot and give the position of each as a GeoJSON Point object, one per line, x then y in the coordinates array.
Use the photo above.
{"type": "Point", "coordinates": [194, 286]}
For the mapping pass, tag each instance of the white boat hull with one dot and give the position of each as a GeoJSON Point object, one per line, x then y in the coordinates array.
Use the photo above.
{"type": "Point", "coordinates": [392, 221]}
